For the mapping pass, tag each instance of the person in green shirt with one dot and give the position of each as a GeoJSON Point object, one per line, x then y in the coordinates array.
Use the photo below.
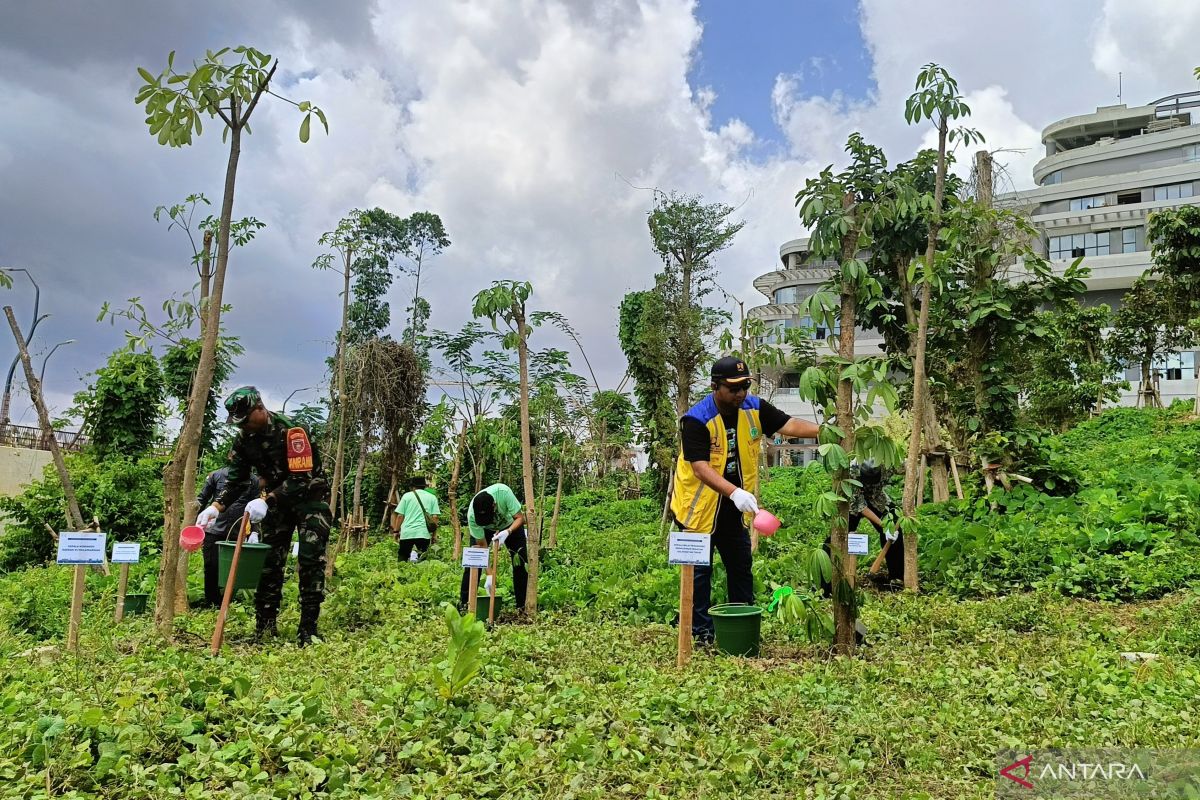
{"type": "Point", "coordinates": [497, 513]}
{"type": "Point", "coordinates": [417, 515]}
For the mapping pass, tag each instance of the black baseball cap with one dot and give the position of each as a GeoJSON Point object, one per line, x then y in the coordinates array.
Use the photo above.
{"type": "Point", "coordinates": [731, 370]}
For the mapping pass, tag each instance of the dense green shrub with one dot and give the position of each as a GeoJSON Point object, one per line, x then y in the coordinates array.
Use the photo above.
{"type": "Point", "coordinates": [125, 494]}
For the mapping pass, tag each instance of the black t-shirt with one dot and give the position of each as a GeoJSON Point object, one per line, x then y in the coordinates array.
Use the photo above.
{"type": "Point", "coordinates": [697, 446]}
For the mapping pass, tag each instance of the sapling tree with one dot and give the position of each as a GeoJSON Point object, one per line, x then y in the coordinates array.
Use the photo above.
{"type": "Point", "coordinates": [936, 100]}
{"type": "Point", "coordinates": [347, 241]}
{"type": "Point", "coordinates": [842, 209]}
{"type": "Point", "coordinates": [177, 102]}
{"type": "Point", "coordinates": [504, 303]}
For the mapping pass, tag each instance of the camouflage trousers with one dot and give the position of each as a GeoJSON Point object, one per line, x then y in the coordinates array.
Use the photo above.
{"type": "Point", "coordinates": [311, 520]}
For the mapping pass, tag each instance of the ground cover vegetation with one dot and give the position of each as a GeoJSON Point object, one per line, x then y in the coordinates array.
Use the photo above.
{"type": "Point", "coordinates": [587, 703]}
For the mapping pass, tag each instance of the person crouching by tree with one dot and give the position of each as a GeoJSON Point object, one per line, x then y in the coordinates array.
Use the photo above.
{"type": "Point", "coordinates": [417, 513]}
{"type": "Point", "coordinates": [496, 513]}
{"type": "Point", "coordinates": [716, 478]}
{"type": "Point", "coordinates": [872, 503]}
{"type": "Point", "coordinates": [224, 528]}
{"type": "Point", "coordinates": [287, 460]}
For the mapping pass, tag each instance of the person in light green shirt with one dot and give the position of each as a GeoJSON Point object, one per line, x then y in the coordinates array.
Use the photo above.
{"type": "Point", "coordinates": [497, 513]}
{"type": "Point", "coordinates": [417, 516]}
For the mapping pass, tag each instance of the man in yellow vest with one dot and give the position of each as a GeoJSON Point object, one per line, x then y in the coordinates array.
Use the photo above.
{"type": "Point", "coordinates": [716, 478]}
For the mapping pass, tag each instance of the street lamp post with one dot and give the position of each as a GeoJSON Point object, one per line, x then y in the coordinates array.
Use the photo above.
{"type": "Point", "coordinates": [37, 301]}
{"type": "Point", "coordinates": [289, 397]}
{"type": "Point", "coordinates": [42, 376]}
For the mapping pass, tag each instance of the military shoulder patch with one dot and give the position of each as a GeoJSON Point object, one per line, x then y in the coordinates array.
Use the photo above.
{"type": "Point", "coordinates": [299, 451]}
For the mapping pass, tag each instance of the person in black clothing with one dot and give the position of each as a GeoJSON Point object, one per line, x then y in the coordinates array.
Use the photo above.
{"type": "Point", "coordinates": [716, 478]}
{"type": "Point", "coordinates": [872, 503]}
{"type": "Point", "coordinates": [224, 529]}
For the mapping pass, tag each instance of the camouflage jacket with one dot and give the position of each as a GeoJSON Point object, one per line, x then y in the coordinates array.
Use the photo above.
{"type": "Point", "coordinates": [870, 496]}
{"type": "Point", "coordinates": [266, 452]}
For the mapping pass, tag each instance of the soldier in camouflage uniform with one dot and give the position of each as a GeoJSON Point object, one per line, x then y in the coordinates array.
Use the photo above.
{"type": "Point", "coordinates": [295, 499]}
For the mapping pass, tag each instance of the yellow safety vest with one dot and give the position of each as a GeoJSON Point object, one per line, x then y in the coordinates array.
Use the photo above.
{"type": "Point", "coordinates": [694, 504]}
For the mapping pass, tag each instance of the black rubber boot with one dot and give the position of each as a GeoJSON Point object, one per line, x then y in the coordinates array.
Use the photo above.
{"type": "Point", "coordinates": [308, 628]}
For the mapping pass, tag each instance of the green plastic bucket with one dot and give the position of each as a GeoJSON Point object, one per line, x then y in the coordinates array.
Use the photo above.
{"type": "Point", "coordinates": [250, 564]}
{"type": "Point", "coordinates": [738, 628]}
{"type": "Point", "coordinates": [482, 602]}
{"type": "Point", "coordinates": [135, 603]}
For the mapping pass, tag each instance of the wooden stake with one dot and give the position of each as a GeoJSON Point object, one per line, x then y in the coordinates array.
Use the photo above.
{"type": "Point", "coordinates": [122, 585]}
{"type": "Point", "coordinates": [954, 472]}
{"type": "Point", "coordinates": [492, 572]}
{"type": "Point", "coordinates": [686, 574]}
{"type": "Point", "coordinates": [218, 637]}
{"type": "Point", "coordinates": [472, 590]}
{"type": "Point", "coordinates": [76, 608]}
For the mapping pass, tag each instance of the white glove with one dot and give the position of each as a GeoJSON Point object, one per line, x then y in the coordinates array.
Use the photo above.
{"type": "Point", "coordinates": [487, 586]}
{"type": "Point", "coordinates": [253, 537]}
{"type": "Point", "coordinates": [414, 556]}
{"type": "Point", "coordinates": [257, 509]}
{"type": "Point", "coordinates": [207, 517]}
{"type": "Point", "coordinates": [744, 501]}
{"type": "Point", "coordinates": [502, 537]}
{"type": "Point", "coordinates": [891, 534]}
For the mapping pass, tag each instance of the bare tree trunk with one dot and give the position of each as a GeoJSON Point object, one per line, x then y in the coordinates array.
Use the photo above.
{"type": "Point", "coordinates": [193, 420]}
{"type": "Point", "coordinates": [683, 377]}
{"type": "Point", "coordinates": [844, 564]}
{"type": "Point", "coordinates": [920, 382]}
{"type": "Point", "coordinates": [532, 524]}
{"type": "Point", "coordinates": [359, 517]}
{"type": "Point", "coordinates": [75, 519]}
{"type": "Point", "coordinates": [390, 506]}
{"type": "Point", "coordinates": [453, 490]}
{"type": "Point", "coordinates": [339, 459]}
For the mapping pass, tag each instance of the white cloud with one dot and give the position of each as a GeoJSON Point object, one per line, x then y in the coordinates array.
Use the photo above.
{"type": "Point", "coordinates": [527, 125]}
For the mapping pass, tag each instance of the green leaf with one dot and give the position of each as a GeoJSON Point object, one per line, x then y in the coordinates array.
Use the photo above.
{"type": "Point", "coordinates": [304, 128]}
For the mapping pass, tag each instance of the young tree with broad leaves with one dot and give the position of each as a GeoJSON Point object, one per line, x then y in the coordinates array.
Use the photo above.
{"type": "Point", "coordinates": [177, 102]}
{"type": "Point", "coordinates": [842, 210]}
{"type": "Point", "coordinates": [936, 100]}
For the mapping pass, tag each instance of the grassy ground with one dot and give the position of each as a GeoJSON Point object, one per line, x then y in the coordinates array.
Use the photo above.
{"type": "Point", "coordinates": [588, 703]}
{"type": "Point", "coordinates": [584, 709]}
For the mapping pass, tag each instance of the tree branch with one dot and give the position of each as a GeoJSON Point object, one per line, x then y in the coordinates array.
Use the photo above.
{"type": "Point", "coordinates": [259, 93]}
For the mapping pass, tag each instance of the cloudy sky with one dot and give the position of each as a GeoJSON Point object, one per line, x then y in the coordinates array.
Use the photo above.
{"type": "Point", "coordinates": [533, 127]}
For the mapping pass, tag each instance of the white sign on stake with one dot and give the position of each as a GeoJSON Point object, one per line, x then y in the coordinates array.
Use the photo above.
{"type": "Point", "coordinates": [689, 548]}
{"type": "Point", "coordinates": [80, 548]}
{"type": "Point", "coordinates": [295, 549]}
{"type": "Point", "coordinates": [475, 557]}
{"type": "Point", "coordinates": [126, 552]}
{"type": "Point", "coordinates": [858, 544]}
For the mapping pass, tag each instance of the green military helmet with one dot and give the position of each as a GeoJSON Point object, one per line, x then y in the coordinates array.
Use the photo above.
{"type": "Point", "coordinates": [241, 402]}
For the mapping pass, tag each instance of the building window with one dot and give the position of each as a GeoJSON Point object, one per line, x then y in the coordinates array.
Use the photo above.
{"type": "Point", "coordinates": [789, 294]}
{"type": "Point", "coordinates": [1174, 191]}
{"type": "Point", "coordinates": [1129, 198]}
{"type": "Point", "coordinates": [1078, 245]}
{"type": "Point", "coordinates": [1052, 178]}
{"type": "Point", "coordinates": [1191, 152]}
{"type": "Point", "coordinates": [1177, 366]}
{"type": "Point", "coordinates": [1129, 240]}
{"type": "Point", "coordinates": [820, 332]}
{"type": "Point", "coordinates": [1084, 203]}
